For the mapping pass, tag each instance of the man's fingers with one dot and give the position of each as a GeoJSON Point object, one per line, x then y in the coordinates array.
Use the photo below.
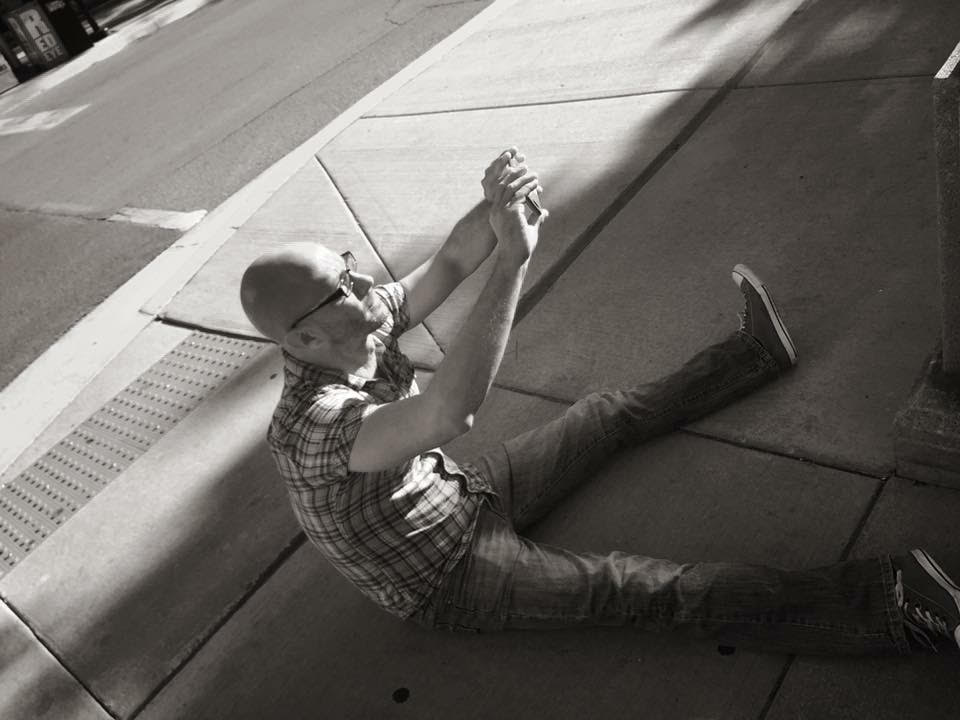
{"type": "Point", "coordinates": [505, 157]}
{"type": "Point", "coordinates": [522, 194]}
{"type": "Point", "coordinates": [509, 175]}
{"type": "Point", "coordinates": [505, 164]}
{"type": "Point", "coordinates": [507, 179]}
{"type": "Point", "coordinates": [496, 167]}
{"type": "Point", "coordinates": [524, 180]}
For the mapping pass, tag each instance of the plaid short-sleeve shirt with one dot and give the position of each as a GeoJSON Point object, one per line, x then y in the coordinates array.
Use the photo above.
{"type": "Point", "coordinates": [392, 533]}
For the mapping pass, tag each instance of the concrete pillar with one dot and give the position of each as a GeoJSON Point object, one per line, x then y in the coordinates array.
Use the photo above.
{"type": "Point", "coordinates": [946, 136]}
{"type": "Point", "coordinates": [927, 428]}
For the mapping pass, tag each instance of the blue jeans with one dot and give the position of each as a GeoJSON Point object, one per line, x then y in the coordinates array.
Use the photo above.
{"type": "Point", "coordinates": [510, 582]}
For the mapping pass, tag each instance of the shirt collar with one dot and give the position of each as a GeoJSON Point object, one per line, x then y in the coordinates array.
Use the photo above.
{"type": "Point", "coordinates": [300, 371]}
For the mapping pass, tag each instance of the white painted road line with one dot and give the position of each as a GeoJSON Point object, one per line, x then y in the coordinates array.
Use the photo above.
{"type": "Point", "coordinates": [42, 391]}
{"type": "Point", "coordinates": [167, 219]}
{"type": "Point", "coordinates": [38, 121]}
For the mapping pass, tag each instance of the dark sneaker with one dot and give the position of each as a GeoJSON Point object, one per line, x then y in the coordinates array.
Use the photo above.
{"type": "Point", "coordinates": [928, 600]}
{"type": "Point", "coordinates": [761, 319]}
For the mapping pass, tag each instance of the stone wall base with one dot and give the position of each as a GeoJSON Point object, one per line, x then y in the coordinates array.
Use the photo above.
{"type": "Point", "coordinates": [927, 429]}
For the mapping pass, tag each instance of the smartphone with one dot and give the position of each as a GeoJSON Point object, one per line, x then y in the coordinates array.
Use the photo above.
{"type": "Point", "coordinates": [533, 199]}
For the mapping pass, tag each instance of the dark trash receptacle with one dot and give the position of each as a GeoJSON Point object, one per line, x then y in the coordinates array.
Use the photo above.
{"type": "Point", "coordinates": [20, 71]}
{"type": "Point", "coordinates": [66, 23]}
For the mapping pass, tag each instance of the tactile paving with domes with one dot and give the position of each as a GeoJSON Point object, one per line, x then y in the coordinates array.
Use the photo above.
{"type": "Point", "coordinates": [45, 495]}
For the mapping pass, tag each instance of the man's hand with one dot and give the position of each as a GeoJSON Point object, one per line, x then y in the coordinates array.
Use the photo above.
{"type": "Point", "coordinates": [506, 184]}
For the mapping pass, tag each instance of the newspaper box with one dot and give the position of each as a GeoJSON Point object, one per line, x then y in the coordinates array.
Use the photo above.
{"type": "Point", "coordinates": [7, 78]}
{"type": "Point", "coordinates": [37, 37]}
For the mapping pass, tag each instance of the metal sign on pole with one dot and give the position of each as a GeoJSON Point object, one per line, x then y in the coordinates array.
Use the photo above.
{"type": "Point", "coordinates": [927, 427]}
{"type": "Point", "coordinates": [946, 138]}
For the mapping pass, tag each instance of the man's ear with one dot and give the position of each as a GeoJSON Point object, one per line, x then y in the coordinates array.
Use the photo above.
{"type": "Point", "coordinates": [306, 339]}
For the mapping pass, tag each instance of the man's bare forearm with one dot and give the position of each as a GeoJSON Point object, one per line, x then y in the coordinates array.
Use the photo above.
{"type": "Point", "coordinates": [464, 377]}
{"type": "Point", "coordinates": [471, 241]}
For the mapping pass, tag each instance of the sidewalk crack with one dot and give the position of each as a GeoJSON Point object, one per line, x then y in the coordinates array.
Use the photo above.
{"type": "Point", "coordinates": [765, 710]}
{"type": "Point", "coordinates": [232, 609]}
{"type": "Point", "coordinates": [46, 645]}
{"type": "Point", "coordinates": [365, 234]}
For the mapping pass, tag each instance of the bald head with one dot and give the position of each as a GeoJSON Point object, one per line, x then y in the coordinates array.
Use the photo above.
{"type": "Point", "coordinates": [281, 285]}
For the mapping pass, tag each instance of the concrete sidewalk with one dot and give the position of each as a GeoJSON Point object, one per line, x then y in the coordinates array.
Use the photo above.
{"type": "Point", "coordinates": [674, 139]}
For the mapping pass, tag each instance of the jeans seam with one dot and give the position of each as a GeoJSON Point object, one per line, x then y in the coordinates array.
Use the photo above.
{"type": "Point", "coordinates": [548, 616]}
{"type": "Point", "coordinates": [509, 511]}
{"type": "Point", "coordinates": [546, 488]}
{"type": "Point", "coordinates": [894, 618]}
{"type": "Point", "coordinates": [792, 623]}
{"type": "Point", "coordinates": [757, 346]}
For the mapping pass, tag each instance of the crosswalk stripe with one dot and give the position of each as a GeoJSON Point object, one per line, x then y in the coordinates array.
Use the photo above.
{"type": "Point", "coordinates": [38, 121]}
{"type": "Point", "coordinates": [169, 219]}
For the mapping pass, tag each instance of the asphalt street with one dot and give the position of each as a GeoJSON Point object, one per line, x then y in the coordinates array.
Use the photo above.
{"type": "Point", "coordinates": [178, 121]}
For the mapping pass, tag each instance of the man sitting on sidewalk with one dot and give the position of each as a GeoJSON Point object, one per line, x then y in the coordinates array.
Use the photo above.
{"type": "Point", "coordinates": [437, 542]}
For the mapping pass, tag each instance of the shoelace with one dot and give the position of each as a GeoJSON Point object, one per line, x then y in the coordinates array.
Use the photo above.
{"type": "Point", "coordinates": [919, 620]}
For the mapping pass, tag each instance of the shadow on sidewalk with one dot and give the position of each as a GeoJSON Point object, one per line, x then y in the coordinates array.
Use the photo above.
{"type": "Point", "coordinates": [798, 213]}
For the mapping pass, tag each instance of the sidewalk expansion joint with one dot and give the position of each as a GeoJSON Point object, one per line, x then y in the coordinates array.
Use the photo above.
{"type": "Point", "coordinates": [861, 524]}
{"type": "Point", "coordinates": [238, 335]}
{"type": "Point", "coordinates": [533, 393]}
{"type": "Point", "coordinates": [850, 469]}
{"type": "Point", "coordinates": [837, 81]}
{"type": "Point", "coordinates": [540, 103]}
{"type": "Point", "coordinates": [199, 643]}
{"type": "Point", "coordinates": [365, 233]}
{"type": "Point", "coordinates": [765, 710]}
{"type": "Point", "coordinates": [60, 661]}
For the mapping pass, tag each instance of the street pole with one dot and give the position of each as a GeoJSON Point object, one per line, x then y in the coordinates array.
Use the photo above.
{"type": "Point", "coordinates": [927, 427]}
{"type": "Point", "coordinates": [946, 136]}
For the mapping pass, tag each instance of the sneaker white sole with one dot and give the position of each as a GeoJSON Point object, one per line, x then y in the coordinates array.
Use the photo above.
{"type": "Point", "coordinates": [942, 579]}
{"type": "Point", "coordinates": [742, 272]}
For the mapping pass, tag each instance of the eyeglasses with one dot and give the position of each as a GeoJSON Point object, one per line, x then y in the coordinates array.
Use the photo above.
{"type": "Point", "coordinates": [344, 288]}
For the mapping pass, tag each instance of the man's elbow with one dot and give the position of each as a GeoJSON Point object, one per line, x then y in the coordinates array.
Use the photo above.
{"type": "Point", "coordinates": [456, 425]}
{"type": "Point", "coordinates": [466, 424]}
